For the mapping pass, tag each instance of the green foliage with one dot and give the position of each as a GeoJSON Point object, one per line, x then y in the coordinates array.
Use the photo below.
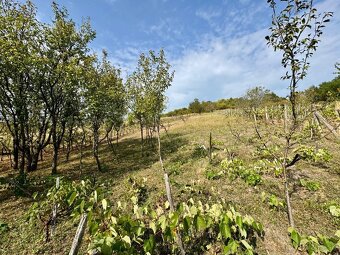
{"type": "Point", "coordinates": [138, 190]}
{"type": "Point", "coordinates": [269, 166]}
{"type": "Point", "coordinates": [312, 154]}
{"type": "Point", "coordinates": [147, 86]}
{"type": "Point", "coordinates": [266, 152]}
{"type": "Point", "coordinates": [273, 201]}
{"type": "Point", "coordinates": [318, 244]}
{"type": "Point", "coordinates": [236, 168]}
{"type": "Point", "coordinates": [3, 227]}
{"type": "Point", "coordinates": [255, 96]}
{"type": "Point", "coordinates": [334, 210]}
{"type": "Point", "coordinates": [134, 229]}
{"type": "Point", "coordinates": [144, 230]}
{"type": "Point", "coordinates": [200, 151]}
{"type": "Point", "coordinates": [328, 91]}
{"type": "Point", "coordinates": [310, 185]}
{"type": "Point", "coordinates": [195, 106]}
{"type": "Point", "coordinates": [71, 198]}
{"type": "Point", "coordinates": [214, 174]}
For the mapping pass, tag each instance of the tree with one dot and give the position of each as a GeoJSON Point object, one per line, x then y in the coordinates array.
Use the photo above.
{"type": "Point", "coordinates": [104, 99]}
{"type": "Point", "coordinates": [147, 86]}
{"type": "Point", "coordinates": [195, 106]}
{"type": "Point", "coordinates": [66, 50]}
{"type": "Point", "coordinates": [337, 67]}
{"type": "Point", "coordinates": [255, 96]}
{"type": "Point", "coordinates": [296, 29]}
{"type": "Point", "coordinates": [21, 108]}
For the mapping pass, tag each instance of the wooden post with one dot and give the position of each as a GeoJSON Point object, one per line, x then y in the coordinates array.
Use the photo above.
{"type": "Point", "coordinates": [285, 118]}
{"type": "Point", "coordinates": [266, 113]}
{"type": "Point", "coordinates": [54, 211]}
{"type": "Point", "coordinates": [320, 118]}
{"type": "Point", "coordinates": [337, 108]}
{"type": "Point", "coordinates": [311, 128]}
{"type": "Point", "coordinates": [210, 147]}
{"type": "Point", "coordinates": [168, 192]}
{"type": "Point", "coordinates": [79, 235]}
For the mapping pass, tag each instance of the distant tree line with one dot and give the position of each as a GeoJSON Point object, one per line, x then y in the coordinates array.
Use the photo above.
{"type": "Point", "coordinates": [259, 96]}
{"type": "Point", "coordinates": [252, 98]}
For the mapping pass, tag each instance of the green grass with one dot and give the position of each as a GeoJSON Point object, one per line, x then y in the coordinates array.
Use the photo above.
{"type": "Point", "coordinates": [188, 177]}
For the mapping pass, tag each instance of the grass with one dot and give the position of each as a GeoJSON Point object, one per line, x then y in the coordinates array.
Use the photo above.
{"type": "Point", "coordinates": [232, 136]}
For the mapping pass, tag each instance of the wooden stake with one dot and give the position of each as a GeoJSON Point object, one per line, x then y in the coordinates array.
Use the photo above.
{"type": "Point", "coordinates": [320, 118]}
{"type": "Point", "coordinates": [54, 211]}
{"type": "Point", "coordinates": [168, 192]}
{"type": "Point", "coordinates": [210, 147]}
{"type": "Point", "coordinates": [285, 118]}
{"type": "Point", "coordinates": [266, 113]}
{"type": "Point", "coordinates": [79, 235]}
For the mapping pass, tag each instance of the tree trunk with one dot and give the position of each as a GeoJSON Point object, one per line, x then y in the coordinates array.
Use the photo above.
{"type": "Point", "coordinates": [96, 146]}
{"type": "Point", "coordinates": [55, 146]}
{"type": "Point", "coordinates": [15, 154]}
{"type": "Point", "coordinates": [141, 132]}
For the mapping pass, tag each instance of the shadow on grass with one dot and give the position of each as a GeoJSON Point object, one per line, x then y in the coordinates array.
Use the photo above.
{"type": "Point", "coordinates": [118, 161]}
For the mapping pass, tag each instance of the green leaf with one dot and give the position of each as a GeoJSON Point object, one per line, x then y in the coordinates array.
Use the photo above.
{"type": "Point", "coordinates": [174, 220]}
{"type": "Point", "coordinates": [149, 244]}
{"type": "Point", "coordinates": [239, 221]}
{"type": "Point", "coordinates": [328, 243]}
{"type": "Point", "coordinates": [246, 245]}
{"type": "Point", "coordinates": [81, 207]}
{"type": "Point", "coordinates": [71, 198]}
{"type": "Point", "coordinates": [152, 225]}
{"type": "Point", "coordinates": [295, 237]}
{"type": "Point", "coordinates": [225, 230]}
{"type": "Point", "coordinates": [186, 224]}
{"type": "Point", "coordinates": [231, 247]}
{"type": "Point", "coordinates": [104, 204]}
{"type": "Point", "coordinates": [127, 239]}
{"type": "Point", "coordinates": [200, 223]}
{"type": "Point", "coordinates": [93, 228]}
{"type": "Point", "coordinates": [105, 249]}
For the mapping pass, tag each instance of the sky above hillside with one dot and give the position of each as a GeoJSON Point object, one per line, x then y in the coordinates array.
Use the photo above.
{"type": "Point", "coordinates": [216, 47]}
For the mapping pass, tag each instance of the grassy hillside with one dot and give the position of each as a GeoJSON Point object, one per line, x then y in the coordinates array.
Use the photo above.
{"type": "Point", "coordinates": [192, 176]}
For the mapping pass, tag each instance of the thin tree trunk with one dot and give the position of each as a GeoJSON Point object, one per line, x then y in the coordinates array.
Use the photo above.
{"type": "Point", "coordinates": [55, 147]}
{"type": "Point", "coordinates": [96, 146]}
{"type": "Point", "coordinates": [286, 187]}
{"type": "Point", "coordinates": [15, 154]}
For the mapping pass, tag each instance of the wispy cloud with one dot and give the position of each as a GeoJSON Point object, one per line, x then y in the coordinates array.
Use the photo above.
{"type": "Point", "coordinates": [226, 67]}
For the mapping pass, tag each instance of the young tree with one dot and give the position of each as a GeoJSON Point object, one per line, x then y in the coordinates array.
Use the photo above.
{"type": "Point", "coordinates": [104, 100]}
{"type": "Point", "coordinates": [147, 86]}
{"type": "Point", "coordinates": [255, 96]}
{"type": "Point", "coordinates": [296, 29]}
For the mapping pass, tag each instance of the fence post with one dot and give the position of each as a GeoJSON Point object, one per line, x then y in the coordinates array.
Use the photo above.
{"type": "Point", "coordinates": [79, 235]}
{"type": "Point", "coordinates": [54, 211]}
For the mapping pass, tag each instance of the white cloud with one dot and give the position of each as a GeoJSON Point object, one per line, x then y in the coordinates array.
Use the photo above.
{"type": "Point", "coordinates": [227, 67]}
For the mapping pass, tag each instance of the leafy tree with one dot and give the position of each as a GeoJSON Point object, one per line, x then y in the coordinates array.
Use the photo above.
{"type": "Point", "coordinates": [195, 106]}
{"type": "Point", "coordinates": [147, 86]}
{"type": "Point", "coordinates": [66, 49]}
{"type": "Point", "coordinates": [296, 29]}
{"type": "Point", "coordinates": [21, 108]}
{"type": "Point", "coordinates": [328, 91]}
{"type": "Point", "coordinates": [337, 67]}
{"type": "Point", "coordinates": [255, 96]}
{"type": "Point", "coordinates": [104, 99]}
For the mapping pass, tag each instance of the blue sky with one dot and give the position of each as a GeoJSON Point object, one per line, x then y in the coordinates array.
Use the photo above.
{"type": "Point", "coordinates": [216, 47]}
